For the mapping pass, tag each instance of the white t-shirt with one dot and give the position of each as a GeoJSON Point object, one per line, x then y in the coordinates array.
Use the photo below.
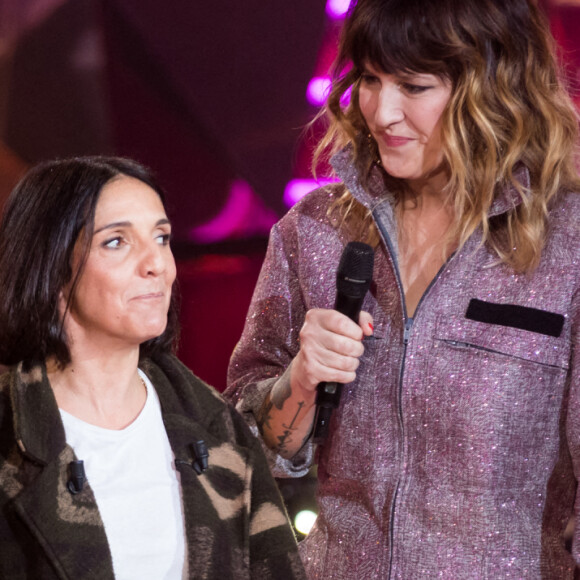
{"type": "Point", "coordinates": [133, 476]}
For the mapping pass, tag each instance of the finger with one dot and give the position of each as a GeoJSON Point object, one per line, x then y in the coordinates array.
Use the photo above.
{"type": "Point", "coordinates": [365, 321]}
{"type": "Point", "coordinates": [319, 343]}
{"type": "Point", "coordinates": [335, 362]}
{"type": "Point", "coordinates": [342, 345]}
{"type": "Point", "coordinates": [332, 321]}
{"type": "Point", "coordinates": [308, 371]}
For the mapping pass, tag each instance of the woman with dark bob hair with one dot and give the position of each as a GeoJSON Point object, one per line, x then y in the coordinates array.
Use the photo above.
{"type": "Point", "coordinates": [115, 461]}
{"type": "Point", "coordinates": [454, 451]}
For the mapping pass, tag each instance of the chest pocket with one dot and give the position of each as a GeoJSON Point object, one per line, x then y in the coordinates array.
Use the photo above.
{"type": "Point", "coordinates": [496, 415]}
{"type": "Point", "coordinates": [516, 332]}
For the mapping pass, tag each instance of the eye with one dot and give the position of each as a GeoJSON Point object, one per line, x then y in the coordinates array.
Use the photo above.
{"type": "Point", "coordinates": [113, 243]}
{"type": "Point", "coordinates": [163, 239]}
{"type": "Point", "coordinates": [367, 78]}
{"type": "Point", "coordinates": [413, 89]}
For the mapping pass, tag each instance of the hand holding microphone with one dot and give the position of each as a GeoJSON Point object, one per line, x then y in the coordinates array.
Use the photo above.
{"type": "Point", "coordinates": [330, 347]}
{"type": "Point", "coordinates": [353, 280]}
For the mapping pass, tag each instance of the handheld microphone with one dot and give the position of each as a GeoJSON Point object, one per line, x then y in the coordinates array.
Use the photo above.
{"type": "Point", "coordinates": [353, 280]}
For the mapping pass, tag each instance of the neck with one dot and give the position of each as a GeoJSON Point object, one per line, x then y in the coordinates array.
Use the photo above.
{"type": "Point", "coordinates": [104, 391]}
{"type": "Point", "coordinates": [430, 188]}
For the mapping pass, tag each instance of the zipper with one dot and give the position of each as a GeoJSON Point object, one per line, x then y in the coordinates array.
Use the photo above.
{"type": "Point", "coordinates": [408, 325]}
{"type": "Point", "coordinates": [407, 330]}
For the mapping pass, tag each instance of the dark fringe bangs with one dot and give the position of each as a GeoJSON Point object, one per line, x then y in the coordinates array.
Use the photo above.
{"type": "Point", "coordinates": [386, 35]}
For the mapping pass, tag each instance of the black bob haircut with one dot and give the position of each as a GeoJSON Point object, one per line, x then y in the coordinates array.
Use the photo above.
{"type": "Point", "coordinates": [44, 218]}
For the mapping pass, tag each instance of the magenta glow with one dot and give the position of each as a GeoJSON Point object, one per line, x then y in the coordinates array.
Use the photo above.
{"type": "Point", "coordinates": [317, 91]}
{"type": "Point", "coordinates": [337, 9]}
{"type": "Point", "coordinates": [298, 188]}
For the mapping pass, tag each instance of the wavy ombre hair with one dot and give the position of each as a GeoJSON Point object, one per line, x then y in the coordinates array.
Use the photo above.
{"type": "Point", "coordinates": [508, 106]}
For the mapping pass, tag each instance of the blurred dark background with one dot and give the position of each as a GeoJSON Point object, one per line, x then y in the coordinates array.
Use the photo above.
{"type": "Point", "coordinates": [213, 97]}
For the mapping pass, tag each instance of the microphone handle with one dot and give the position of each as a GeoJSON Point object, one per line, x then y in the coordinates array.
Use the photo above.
{"type": "Point", "coordinates": [349, 305]}
{"type": "Point", "coordinates": [327, 399]}
{"type": "Point", "coordinates": [328, 394]}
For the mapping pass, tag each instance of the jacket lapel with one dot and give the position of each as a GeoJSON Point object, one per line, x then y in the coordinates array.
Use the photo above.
{"type": "Point", "coordinates": [216, 502]}
{"type": "Point", "coordinates": [68, 527]}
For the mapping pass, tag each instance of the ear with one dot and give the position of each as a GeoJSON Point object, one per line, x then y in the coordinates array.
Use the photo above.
{"type": "Point", "coordinates": [62, 301]}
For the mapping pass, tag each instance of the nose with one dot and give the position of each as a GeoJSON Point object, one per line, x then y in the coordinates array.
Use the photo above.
{"type": "Point", "coordinates": [389, 109]}
{"type": "Point", "coordinates": [153, 259]}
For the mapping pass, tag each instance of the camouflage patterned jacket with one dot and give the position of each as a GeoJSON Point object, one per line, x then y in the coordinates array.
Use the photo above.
{"type": "Point", "coordinates": [236, 525]}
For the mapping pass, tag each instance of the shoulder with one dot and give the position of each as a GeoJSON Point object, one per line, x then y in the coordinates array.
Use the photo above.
{"type": "Point", "coordinates": [566, 201]}
{"type": "Point", "coordinates": [180, 391]}
{"type": "Point", "coordinates": [564, 218]}
{"type": "Point", "coordinates": [319, 198]}
{"type": "Point", "coordinates": [562, 245]}
{"type": "Point", "coordinates": [184, 396]}
{"type": "Point", "coordinates": [183, 393]}
{"type": "Point", "coordinates": [313, 207]}
{"type": "Point", "coordinates": [309, 223]}
{"type": "Point", "coordinates": [175, 381]}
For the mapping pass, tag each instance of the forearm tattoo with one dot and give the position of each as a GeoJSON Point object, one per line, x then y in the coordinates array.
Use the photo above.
{"type": "Point", "coordinates": [264, 418]}
{"type": "Point", "coordinates": [285, 438]}
{"type": "Point", "coordinates": [281, 396]}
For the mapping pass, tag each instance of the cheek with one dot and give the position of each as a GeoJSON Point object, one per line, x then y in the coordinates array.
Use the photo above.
{"type": "Point", "coordinates": [437, 113]}
{"type": "Point", "coordinates": [432, 122]}
{"type": "Point", "coordinates": [365, 103]}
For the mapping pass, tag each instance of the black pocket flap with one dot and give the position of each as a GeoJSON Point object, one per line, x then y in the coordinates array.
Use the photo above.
{"type": "Point", "coordinates": [516, 316]}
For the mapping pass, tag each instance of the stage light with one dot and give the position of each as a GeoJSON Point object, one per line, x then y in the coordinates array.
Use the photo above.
{"type": "Point", "coordinates": [304, 521]}
{"type": "Point", "coordinates": [317, 91]}
{"type": "Point", "coordinates": [298, 188]}
{"type": "Point", "coordinates": [300, 499]}
{"type": "Point", "coordinates": [337, 9]}
{"type": "Point", "coordinates": [242, 215]}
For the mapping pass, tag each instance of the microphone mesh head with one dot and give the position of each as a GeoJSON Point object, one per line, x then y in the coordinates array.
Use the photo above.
{"type": "Point", "coordinates": [355, 270]}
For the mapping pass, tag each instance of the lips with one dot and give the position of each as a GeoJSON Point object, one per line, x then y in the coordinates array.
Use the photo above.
{"type": "Point", "coordinates": [394, 141]}
{"type": "Point", "coordinates": [149, 296]}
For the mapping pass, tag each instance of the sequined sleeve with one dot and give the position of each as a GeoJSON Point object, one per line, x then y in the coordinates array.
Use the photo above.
{"type": "Point", "coordinates": [268, 344]}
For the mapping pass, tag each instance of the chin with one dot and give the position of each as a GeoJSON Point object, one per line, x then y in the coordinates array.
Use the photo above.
{"type": "Point", "coordinates": [397, 174]}
{"type": "Point", "coordinates": [154, 335]}
{"type": "Point", "coordinates": [151, 332]}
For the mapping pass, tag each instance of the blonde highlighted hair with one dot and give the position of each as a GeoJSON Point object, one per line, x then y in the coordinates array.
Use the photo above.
{"type": "Point", "coordinates": [508, 107]}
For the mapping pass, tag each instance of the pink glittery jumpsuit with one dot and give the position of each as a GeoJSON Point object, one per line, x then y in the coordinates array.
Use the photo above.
{"type": "Point", "coordinates": [453, 454]}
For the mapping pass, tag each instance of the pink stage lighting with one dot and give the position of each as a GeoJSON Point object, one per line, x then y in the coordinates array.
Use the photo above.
{"type": "Point", "coordinates": [337, 9]}
{"type": "Point", "coordinates": [298, 188]}
{"type": "Point", "coordinates": [317, 91]}
{"type": "Point", "coordinates": [243, 215]}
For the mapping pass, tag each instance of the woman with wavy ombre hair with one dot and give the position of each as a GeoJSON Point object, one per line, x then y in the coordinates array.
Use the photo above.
{"type": "Point", "coordinates": [508, 106]}
{"type": "Point", "coordinates": [453, 449]}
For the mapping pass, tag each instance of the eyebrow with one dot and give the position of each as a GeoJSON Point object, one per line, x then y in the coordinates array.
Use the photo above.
{"type": "Point", "coordinates": [128, 224]}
